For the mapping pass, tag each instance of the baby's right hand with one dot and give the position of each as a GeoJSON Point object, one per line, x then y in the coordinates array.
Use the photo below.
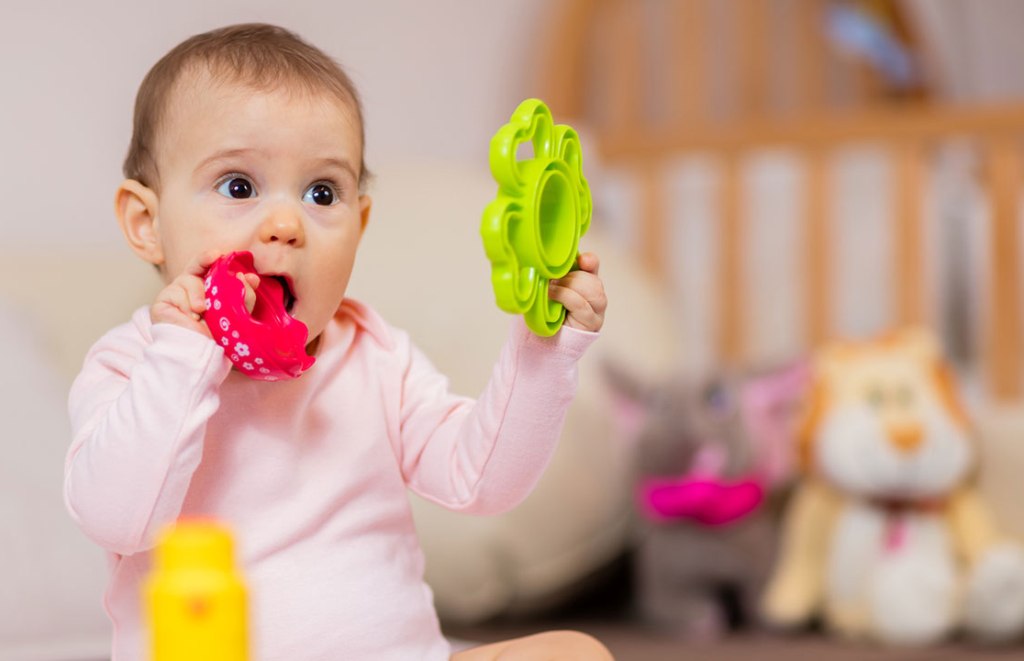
{"type": "Point", "coordinates": [183, 302]}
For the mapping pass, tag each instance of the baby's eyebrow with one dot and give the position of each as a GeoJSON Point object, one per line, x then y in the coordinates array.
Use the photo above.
{"type": "Point", "coordinates": [223, 154]}
{"type": "Point", "coordinates": [340, 163]}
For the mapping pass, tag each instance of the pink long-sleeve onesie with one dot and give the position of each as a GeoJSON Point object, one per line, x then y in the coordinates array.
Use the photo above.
{"type": "Point", "coordinates": [311, 474]}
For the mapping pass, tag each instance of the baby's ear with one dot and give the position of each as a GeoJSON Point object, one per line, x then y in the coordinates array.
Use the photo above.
{"type": "Point", "coordinates": [365, 204]}
{"type": "Point", "coordinates": [136, 209]}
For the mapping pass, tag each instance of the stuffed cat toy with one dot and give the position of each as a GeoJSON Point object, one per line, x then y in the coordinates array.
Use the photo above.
{"type": "Point", "coordinates": [885, 537]}
{"type": "Point", "coordinates": [708, 454]}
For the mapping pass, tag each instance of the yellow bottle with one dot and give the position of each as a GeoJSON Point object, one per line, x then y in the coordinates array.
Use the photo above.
{"type": "Point", "coordinates": [195, 599]}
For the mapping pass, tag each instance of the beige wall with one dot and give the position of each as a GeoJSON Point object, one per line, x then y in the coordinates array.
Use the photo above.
{"type": "Point", "coordinates": [437, 78]}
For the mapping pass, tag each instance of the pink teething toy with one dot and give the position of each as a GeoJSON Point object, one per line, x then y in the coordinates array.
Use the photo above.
{"type": "Point", "coordinates": [268, 343]}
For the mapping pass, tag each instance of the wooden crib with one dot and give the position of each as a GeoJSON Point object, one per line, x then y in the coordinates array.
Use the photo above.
{"type": "Point", "coordinates": [650, 80]}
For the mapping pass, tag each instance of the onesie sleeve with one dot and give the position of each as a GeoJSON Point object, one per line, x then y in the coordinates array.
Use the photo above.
{"type": "Point", "coordinates": [139, 409]}
{"type": "Point", "coordinates": [485, 456]}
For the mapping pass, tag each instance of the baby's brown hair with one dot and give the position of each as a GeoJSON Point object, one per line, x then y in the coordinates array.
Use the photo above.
{"type": "Point", "coordinates": [255, 54]}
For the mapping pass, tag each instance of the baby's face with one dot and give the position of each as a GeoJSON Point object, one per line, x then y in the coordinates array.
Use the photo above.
{"type": "Point", "coordinates": [271, 172]}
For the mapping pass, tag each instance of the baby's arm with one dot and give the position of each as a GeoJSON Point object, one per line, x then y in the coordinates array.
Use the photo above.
{"type": "Point", "coordinates": [486, 456]}
{"type": "Point", "coordinates": [138, 411]}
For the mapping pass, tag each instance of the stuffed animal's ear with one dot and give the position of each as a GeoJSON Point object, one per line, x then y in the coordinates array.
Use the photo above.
{"type": "Point", "coordinates": [631, 400]}
{"type": "Point", "coordinates": [832, 358]}
{"type": "Point", "coordinates": [771, 407]}
{"type": "Point", "coordinates": [921, 342]}
{"type": "Point", "coordinates": [779, 386]}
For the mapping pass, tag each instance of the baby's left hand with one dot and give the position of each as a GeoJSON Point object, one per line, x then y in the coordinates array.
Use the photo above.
{"type": "Point", "coordinates": [582, 294]}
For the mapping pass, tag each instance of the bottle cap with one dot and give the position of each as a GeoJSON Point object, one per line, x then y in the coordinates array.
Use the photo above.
{"type": "Point", "coordinates": [196, 544]}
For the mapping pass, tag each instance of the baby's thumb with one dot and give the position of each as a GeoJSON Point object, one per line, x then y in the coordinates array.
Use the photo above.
{"type": "Point", "coordinates": [251, 282]}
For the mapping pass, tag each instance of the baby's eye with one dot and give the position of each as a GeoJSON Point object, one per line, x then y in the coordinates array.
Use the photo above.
{"type": "Point", "coordinates": [237, 187]}
{"type": "Point", "coordinates": [321, 193]}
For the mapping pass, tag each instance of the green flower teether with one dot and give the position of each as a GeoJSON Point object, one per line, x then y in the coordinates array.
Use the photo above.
{"type": "Point", "coordinates": [532, 228]}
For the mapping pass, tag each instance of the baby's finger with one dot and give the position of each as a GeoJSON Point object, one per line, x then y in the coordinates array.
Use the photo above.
{"type": "Point", "coordinates": [193, 286]}
{"type": "Point", "coordinates": [588, 262]}
{"type": "Point", "coordinates": [177, 297]}
{"type": "Point", "coordinates": [589, 286]}
{"type": "Point", "coordinates": [202, 262]}
{"type": "Point", "coordinates": [580, 314]}
{"type": "Point", "coordinates": [250, 281]}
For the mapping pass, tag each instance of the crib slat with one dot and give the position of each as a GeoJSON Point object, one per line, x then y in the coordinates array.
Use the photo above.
{"type": "Point", "coordinates": [909, 169]}
{"type": "Point", "coordinates": [752, 57]}
{"type": "Point", "coordinates": [563, 86]}
{"type": "Point", "coordinates": [1003, 353]}
{"type": "Point", "coordinates": [730, 260]}
{"type": "Point", "coordinates": [689, 89]}
{"type": "Point", "coordinates": [627, 68]}
{"type": "Point", "coordinates": [867, 86]}
{"type": "Point", "coordinates": [817, 248]}
{"type": "Point", "coordinates": [812, 55]}
{"type": "Point", "coordinates": [652, 220]}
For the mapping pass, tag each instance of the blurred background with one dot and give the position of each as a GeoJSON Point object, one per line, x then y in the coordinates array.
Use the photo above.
{"type": "Point", "coordinates": [767, 175]}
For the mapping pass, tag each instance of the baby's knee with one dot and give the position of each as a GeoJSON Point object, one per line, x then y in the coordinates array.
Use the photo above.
{"type": "Point", "coordinates": [574, 645]}
{"type": "Point", "coordinates": [561, 645]}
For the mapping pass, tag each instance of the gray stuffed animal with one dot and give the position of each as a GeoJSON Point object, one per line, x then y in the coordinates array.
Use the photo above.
{"type": "Point", "coordinates": [711, 456]}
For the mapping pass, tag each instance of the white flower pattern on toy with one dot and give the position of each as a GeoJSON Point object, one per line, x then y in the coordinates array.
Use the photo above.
{"type": "Point", "coordinates": [241, 341]}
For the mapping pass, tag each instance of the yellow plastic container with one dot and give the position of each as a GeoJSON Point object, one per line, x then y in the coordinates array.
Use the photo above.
{"type": "Point", "coordinates": [195, 598]}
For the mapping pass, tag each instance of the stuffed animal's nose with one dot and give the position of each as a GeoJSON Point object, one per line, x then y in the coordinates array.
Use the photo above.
{"type": "Point", "coordinates": [906, 438]}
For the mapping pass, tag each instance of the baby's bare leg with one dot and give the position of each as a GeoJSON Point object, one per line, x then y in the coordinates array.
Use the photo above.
{"type": "Point", "coordinates": [549, 646]}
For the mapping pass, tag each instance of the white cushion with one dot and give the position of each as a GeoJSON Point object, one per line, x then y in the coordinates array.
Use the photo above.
{"type": "Point", "coordinates": [52, 577]}
{"type": "Point", "coordinates": [422, 265]}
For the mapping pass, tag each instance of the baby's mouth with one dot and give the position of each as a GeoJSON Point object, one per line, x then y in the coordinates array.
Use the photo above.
{"type": "Point", "coordinates": [288, 294]}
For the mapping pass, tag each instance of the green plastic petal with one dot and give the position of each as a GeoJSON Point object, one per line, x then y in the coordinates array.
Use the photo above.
{"type": "Point", "coordinates": [531, 230]}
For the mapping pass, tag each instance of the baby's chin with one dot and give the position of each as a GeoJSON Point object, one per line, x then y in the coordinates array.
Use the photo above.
{"type": "Point", "coordinates": [315, 330]}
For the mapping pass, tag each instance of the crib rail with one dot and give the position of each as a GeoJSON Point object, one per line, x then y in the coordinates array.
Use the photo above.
{"type": "Point", "coordinates": [642, 132]}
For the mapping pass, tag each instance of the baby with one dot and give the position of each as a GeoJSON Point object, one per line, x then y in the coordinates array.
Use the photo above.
{"type": "Point", "coordinates": [248, 138]}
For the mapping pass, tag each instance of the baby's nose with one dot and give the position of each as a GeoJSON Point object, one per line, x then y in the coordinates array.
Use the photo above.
{"type": "Point", "coordinates": [283, 225]}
